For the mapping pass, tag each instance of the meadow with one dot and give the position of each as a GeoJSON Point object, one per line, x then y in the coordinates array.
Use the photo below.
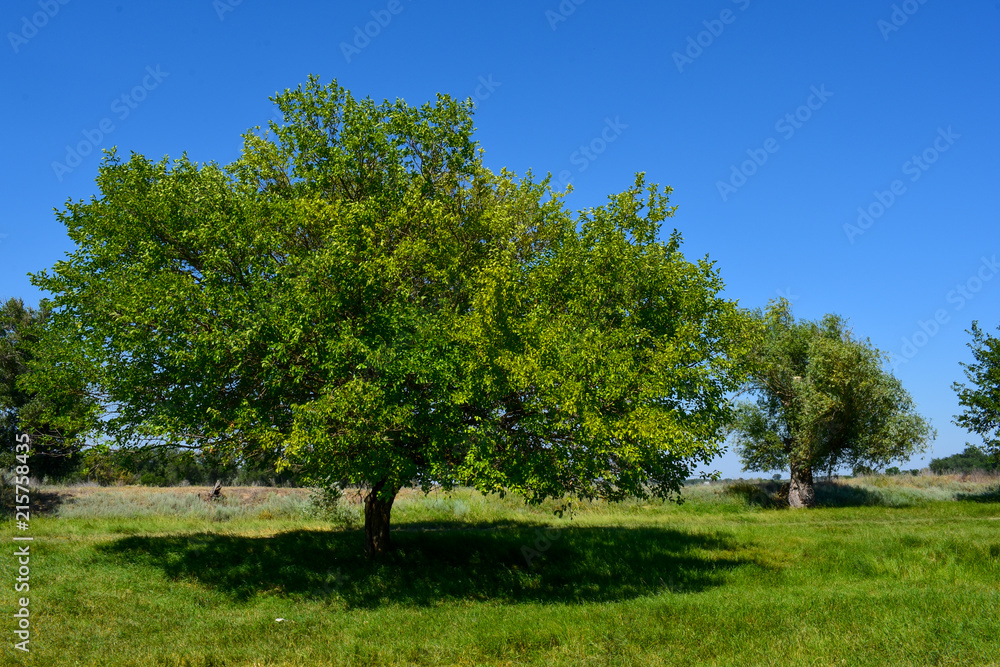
{"type": "Point", "coordinates": [889, 570]}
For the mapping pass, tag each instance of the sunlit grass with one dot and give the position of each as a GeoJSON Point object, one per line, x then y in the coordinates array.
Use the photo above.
{"type": "Point", "coordinates": [161, 577]}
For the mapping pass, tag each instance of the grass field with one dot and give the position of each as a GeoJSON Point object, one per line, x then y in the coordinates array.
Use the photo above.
{"type": "Point", "coordinates": [891, 571]}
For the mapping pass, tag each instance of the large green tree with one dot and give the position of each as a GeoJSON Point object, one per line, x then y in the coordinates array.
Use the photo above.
{"type": "Point", "coordinates": [823, 400]}
{"type": "Point", "coordinates": [981, 398]}
{"type": "Point", "coordinates": [359, 296]}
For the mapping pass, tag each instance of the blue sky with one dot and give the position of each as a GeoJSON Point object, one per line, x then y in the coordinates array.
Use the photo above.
{"type": "Point", "coordinates": [839, 154]}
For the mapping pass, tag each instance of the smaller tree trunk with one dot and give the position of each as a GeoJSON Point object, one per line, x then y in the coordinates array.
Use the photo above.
{"type": "Point", "coordinates": [377, 512]}
{"type": "Point", "coordinates": [800, 489]}
{"type": "Point", "coordinates": [216, 493]}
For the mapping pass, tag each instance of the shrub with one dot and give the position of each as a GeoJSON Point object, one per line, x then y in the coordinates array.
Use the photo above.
{"type": "Point", "coordinates": [152, 479]}
{"type": "Point", "coordinates": [328, 503]}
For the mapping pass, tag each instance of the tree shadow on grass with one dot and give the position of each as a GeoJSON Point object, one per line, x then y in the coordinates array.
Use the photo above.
{"type": "Point", "coordinates": [774, 495]}
{"type": "Point", "coordinates": [764, 494]}
{"type": "Point", "coordinates": [989, 495]}
{"type": "Point", "coordinates": [833, 494]}
{"type": "Point", "coordinates": [40, 502]}
{"type": "Point", "coordinates": [432, 563]}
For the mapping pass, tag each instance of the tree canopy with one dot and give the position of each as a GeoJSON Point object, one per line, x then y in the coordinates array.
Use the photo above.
{"type": "Point", "coordinates": [39, 395]}
{"type": "Point", "coordinates": [360, 297]}
{"type": "Point", "coordinates": [823, 400]}
{"type": "Point", "coordinates": [969, 460]}
{"type": "Point", "coordinates": [981, 399]}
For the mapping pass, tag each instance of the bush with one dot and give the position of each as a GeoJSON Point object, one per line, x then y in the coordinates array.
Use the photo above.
{"type": "Point", "coordinates": [152, 479]}
{"type": "Point", "coordinates": [328, 503]}
{"type": "Point", "coordinates": [107, 468]}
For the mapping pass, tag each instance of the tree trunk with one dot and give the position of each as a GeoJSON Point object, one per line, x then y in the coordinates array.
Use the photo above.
{"type": "Point", "coordinates": [377, 511]}
{"type": "Point", "coordinates": [800, 488]}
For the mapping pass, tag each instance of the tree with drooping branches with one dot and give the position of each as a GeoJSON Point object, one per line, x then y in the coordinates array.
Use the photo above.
{"type": "Point", "coordinates": [823, 399]}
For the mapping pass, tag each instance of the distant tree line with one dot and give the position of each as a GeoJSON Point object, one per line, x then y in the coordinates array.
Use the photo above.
{"type": "Point", "coordinates": [973, 459]}
{"type": "Point", "coordinates": [176, 466]}
{"type": "Point", "coordinates": [170, 466]}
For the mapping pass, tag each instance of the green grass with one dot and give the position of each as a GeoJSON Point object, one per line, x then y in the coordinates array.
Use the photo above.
{"type": "Point", "coordinates": [893, 572]}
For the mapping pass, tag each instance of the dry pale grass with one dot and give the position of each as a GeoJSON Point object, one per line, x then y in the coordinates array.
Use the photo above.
{"type": "Point", "coordinates": [252, 495]}
{"type": "Point", "coordinates": [966, 483]}
{"type": "Point", "coordinates": [931, 479]}
{"type": "Point", "coordinates": [241, 494]}
{"type": "Point", "coordinates": [889, 577]}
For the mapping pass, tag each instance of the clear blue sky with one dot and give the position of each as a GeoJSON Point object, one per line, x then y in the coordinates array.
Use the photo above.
{"type": "Point", "coordinates": [823, 107]}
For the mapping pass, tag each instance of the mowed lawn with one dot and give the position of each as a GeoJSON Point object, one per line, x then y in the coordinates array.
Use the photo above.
{"type": "Point", "coordinates": [889, 573]}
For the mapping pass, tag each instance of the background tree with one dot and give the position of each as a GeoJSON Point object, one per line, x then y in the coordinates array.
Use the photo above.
{"type": "Point", "coordinates": [981, 400]}
{"type": "Point", "coordinates": [972, 459]}
{"type": "Point", "coordinates": [823, 400]}
{"type": "Point", "coordinates": [361, 298]}
{"type": "Point", "coordinates": [53, 412]}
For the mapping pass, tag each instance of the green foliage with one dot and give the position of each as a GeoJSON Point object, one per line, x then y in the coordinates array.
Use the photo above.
{"type": "Point", "coordinates": [823, 400]}
{"type": "Point", "coordinates": [914, 472]}
{"type": "Point", "coordinates": [37, 395]}
{"type": "Point", "coordinates": [328, 503]}
{"type": "Point", "coordinates": [981, 400]}
{"type": "Point", "coordinates": [360, 299]}
{"type": "Point", "coordinates": [862, 470]}
{"type": "Point", "coordinates": [970, 460]}
{"type": "Point", "coordinates": [166, 466]}
{"type": "Point", "coordinates": [106, 467]}
{"type": "Point", "coordinates": [170, 467]}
